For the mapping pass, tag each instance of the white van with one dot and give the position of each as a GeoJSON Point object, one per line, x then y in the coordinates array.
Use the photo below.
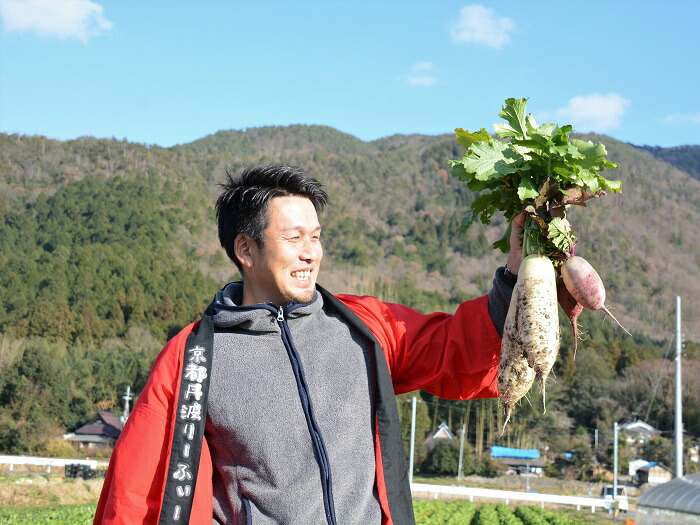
{"type": "Point", "coordinates": [622, 501]}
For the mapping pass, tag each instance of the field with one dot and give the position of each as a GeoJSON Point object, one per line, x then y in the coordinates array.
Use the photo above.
{"type": "Point", "coordinates": [38, 500]}
{"type": "Point", "coordinates": [427, 513]}
{"type": "Point", "coordinates": [464, 513]}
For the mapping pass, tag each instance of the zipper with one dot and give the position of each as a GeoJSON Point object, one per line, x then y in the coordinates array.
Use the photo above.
{"type": "Point", "coordinates": [314, 430]}
{"type": "Point", "coordinates": [248, 513]}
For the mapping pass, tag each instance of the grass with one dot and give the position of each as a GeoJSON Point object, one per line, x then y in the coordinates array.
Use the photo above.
{"type": "Point", "coordinates": [80, 514]}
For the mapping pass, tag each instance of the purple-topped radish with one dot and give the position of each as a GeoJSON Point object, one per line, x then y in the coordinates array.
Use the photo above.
{"type": "Point", "coordinates": [585, 285]}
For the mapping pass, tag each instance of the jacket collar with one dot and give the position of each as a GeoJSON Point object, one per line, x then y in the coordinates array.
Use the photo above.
{"type": "Point", "coordinates": [227, 313]}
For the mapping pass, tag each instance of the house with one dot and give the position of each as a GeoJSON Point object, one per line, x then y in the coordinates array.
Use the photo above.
{"type": "Point", "coordinates": [443, 432]}
{"type": "Point", "coordinates": [519, 460]}
{"type": "Point", "coordinates": [638, 431]}
{"type": "Point", "coordinates": [101, 432]}
{"type": "Point", "coordinates": [635, 465]}
{"type": "Point", "coordinates": [654, 473]}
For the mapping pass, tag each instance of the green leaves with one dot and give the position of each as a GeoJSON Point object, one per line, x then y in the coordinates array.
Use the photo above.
{"type": "Point", "coordinates": [514, 112]}
{"type": "Point", "coordinates": [560, 235]}
{"type": "Point", "coordinates": [518, 167]}
{"type": "Point", "coordinates": [466, 138]}
{"type": "Point", "coordinates": [492, 159]}
{"type": "Point", "coordinates": [527, 189]}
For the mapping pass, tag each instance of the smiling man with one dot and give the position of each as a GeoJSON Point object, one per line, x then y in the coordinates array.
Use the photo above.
{"type": "Point", "coordinates": [278, 406]}
{"type": "Point", "coordinates": [284, 265]}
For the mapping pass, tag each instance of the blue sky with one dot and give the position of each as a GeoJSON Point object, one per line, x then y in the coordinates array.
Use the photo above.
{"type": "Point", "coordinates": [168, 72]}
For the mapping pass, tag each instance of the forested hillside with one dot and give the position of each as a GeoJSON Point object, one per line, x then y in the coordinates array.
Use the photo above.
{"type": "Point", "coordinates": [108, 247]}
{"type": "Point", "coordinates": [686, 158]}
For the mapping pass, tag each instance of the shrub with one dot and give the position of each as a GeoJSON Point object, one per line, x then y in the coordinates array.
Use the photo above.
{"type": "Point", "coordinates": [443, 460]}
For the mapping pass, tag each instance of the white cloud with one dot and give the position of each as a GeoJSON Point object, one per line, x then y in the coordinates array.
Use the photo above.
{"type": "Point", "coordinates": [481, 25]}
{"type": "Point", "coordinates": [421, 75]}
{"type": "Point", "coordinates": [682, 118]}
{"type": "Point", "coordinates": [79, 19]}
{"type": "Point", "coordinates": [593, 112]}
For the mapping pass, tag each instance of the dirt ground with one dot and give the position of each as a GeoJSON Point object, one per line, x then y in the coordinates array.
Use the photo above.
{"type": "Point", "coordinates": [42, 490]}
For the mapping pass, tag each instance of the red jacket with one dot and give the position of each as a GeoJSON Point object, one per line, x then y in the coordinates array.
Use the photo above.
{"type": "Point", "coordinates": [451, 356]}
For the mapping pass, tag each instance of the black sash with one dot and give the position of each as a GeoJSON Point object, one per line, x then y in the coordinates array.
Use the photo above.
{"type": "Point", "coordinates": [188, 432]}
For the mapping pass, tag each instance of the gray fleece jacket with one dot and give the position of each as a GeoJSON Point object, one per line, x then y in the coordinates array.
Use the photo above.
{"type": "Point", "coordinates": [290, 414]}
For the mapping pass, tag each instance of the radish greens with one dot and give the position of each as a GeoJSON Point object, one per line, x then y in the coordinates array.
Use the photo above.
{"type": "Point", "coordinates": [535, 168]}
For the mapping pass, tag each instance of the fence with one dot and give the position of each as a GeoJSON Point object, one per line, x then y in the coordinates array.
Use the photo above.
{"type": "Point", "coordinates": [47, 462]}
{"type": "Point", "coordinates": [434, 491]}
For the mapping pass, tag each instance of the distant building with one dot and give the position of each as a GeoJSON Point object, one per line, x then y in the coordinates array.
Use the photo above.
{"type": "Point", "coordinates": [101, 432]}
{"type": "Point", "coordinates": [635, 465]}
{"type": "Point", "coordinates": [638, 431]}
{"type": "Point", "coordinates": [654, 473]}
{"type": "Point", "coordinates": [443, 432]}
{"type": "Point", "coordinates": [519, 460]}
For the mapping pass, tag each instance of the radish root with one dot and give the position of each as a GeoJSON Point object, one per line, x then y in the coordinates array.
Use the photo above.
{"type": "Point", "coordinates": [607, 311]}
{"type": "Point", "coordinates": [531, 333]}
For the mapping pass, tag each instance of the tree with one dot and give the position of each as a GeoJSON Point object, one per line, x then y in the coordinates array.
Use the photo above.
{"type": "Point", "coordinates": [647, 391]}
{"type": "Point", "coordinates": [590, 384]}
{"type": "Point", "coordinates": [443, 459]}
{"type": "Point", "coordinates": [659, 449]}
{"type": "Point", "coordinates": [489, 468]}
{"type": "Point", "coordinates": [624, 454]}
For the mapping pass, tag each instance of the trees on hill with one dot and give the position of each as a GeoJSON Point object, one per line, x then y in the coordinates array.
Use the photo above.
{"type": "Point", "coordinates": [96, 258]}
{"type": "Point", "coordinates": [108, 247]}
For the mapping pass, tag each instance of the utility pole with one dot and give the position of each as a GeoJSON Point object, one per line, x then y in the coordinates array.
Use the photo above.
{"type": "Point", "coordinates": [461, 452]}
{"type": "Point", "coordinates": [127, 397]}
{"type": "Point", "coordinates": [413, 440]}
{"type": "Point", "coordinates": [615, 461]}
{"type": "Point", "coordinates": [527, 476]}
{"type": "Point", "coordinates": [595, 440]}
{"type": "Point", "coordinates": [679, 397]}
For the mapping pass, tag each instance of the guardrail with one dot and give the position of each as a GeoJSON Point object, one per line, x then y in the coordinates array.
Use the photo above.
{"type": "Point", "coordinates": [418, 489]}
{"type": "Point", "coordinates": [47, 462]}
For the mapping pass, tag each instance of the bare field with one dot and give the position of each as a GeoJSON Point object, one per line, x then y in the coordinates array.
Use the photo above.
{"type": "Point", "coordinates": [41, 491]}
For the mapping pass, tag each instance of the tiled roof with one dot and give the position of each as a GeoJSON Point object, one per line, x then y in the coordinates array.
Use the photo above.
{"type": "Point", "coordinates": [105, 424]}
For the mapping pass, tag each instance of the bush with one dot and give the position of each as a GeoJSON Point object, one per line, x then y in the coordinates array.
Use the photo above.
{"type": "Point", "coordinates": [443, 460]}
{"type": "Point", "coordinates": [489, 468]}
{"type": "Point", "coordinates": [57, 448]}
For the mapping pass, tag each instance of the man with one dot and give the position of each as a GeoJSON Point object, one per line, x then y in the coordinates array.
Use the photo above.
{"type": "Point", "coordinates": [278, 407]}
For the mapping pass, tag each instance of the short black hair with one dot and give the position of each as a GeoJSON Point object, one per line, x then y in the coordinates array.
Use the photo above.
{"type": "Point", "coordinates": [242, 206]}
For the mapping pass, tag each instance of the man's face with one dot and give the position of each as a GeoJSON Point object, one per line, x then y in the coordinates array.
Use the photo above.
{"type": "Point", "coordinates": [286, 268]}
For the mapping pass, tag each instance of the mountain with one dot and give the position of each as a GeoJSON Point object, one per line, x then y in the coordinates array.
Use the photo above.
{"type": "Point", "coordinates": [685, 158]}
{"type": "Point", "coordinates": [109, 247]}
{"type": "Point", "coordinates": [392, 221]}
